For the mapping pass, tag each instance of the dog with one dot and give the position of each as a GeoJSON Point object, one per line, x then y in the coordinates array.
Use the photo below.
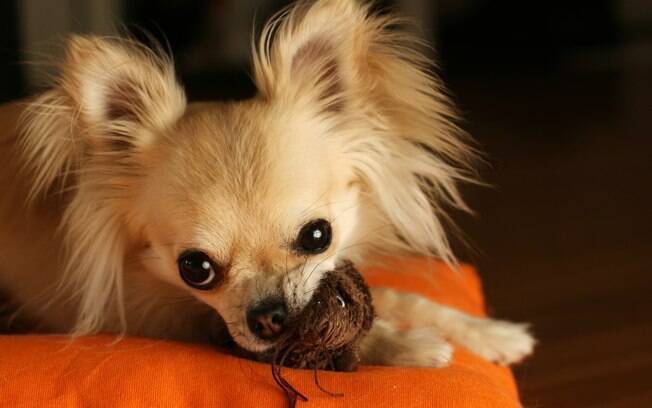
{"type": "Point", "coordinates": [126, 209]}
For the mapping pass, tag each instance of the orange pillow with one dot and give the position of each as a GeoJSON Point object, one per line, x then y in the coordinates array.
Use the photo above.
{"type": "Point", "coordinates": [134, 372]}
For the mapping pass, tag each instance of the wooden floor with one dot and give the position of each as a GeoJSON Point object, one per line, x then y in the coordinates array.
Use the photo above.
{"type": "Point", "coordinates": [564, 238]}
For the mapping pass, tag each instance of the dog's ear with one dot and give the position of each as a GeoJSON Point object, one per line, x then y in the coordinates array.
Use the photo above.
{"type": "Point", "coordinates": [110, 99]}
{"type": "Point", "coordinates": [368, 70]}
{"type": "Point", "coordinates": [305, 54]}
{"type": "Point", "coordinates": [122, 91]}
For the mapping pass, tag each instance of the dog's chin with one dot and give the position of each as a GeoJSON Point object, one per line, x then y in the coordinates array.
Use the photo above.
{"type": "Point", "coordinates": [247, 342]}
{"type": "Point", "coordinates": [253, 346]}
{"type": "Point", "coordinates": [235, 336]}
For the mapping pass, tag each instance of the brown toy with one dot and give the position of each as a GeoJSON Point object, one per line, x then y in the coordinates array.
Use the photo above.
{"type": "Point", "coordinates": [327, 333]}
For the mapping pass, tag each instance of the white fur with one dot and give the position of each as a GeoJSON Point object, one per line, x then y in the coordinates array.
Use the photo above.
{"type": "Point", "coordinates": [496, 340]}
{"type": "Point", "coordinates": [416, 347]}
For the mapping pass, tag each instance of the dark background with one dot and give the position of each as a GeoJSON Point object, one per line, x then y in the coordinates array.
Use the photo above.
{"type": "Point", "coordinates": [557, 93]}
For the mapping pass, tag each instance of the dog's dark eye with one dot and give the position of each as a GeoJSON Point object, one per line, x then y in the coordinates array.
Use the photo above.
{"type": "Point", "coordinates": [314, 237]}
{"type": "Point", "coordinates": [198, 270]}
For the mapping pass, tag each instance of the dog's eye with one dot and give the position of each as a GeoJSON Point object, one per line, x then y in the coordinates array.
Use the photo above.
{"type": "Point", "coordinates": [198, 270]}
{"type": "Point", "coordinates": [314, 237]}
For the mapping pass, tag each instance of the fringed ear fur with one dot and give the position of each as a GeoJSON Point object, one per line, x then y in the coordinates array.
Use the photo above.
{"type": "Point", "coordinates": [401, 138]}
{"type": "Point", "coordinates": [84, 136]}
{"type": "Point", "coordinates": [111, 96]}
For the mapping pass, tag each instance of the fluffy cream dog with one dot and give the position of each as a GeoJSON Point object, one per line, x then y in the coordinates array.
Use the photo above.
{"type": "Point", "coordinates": [125, 209]}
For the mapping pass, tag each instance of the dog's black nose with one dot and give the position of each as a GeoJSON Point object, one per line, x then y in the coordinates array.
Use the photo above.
{"type": "Point", "coordinates": [268, 318]}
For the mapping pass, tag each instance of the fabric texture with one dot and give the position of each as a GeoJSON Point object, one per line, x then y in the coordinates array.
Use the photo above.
{"type": "Point", "coordinates": [98, 371]}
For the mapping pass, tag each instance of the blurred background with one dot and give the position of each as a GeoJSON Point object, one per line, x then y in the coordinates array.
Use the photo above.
{"type": "Point", "coordinates": [559, 96]}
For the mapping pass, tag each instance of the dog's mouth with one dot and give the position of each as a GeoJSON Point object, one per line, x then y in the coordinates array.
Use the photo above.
{"type": "Point", "coordinates": [257, 325]}
{"type": "Point", "coordinates": [238, 339]}
{"type": "Point", "coordinates": [250, 347]}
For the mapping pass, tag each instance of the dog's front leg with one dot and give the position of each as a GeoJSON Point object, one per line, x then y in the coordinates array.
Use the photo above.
{"type": "Point", "coordinates": [496, 340]}
{"type": "Point", "coordinates": [387, 344]}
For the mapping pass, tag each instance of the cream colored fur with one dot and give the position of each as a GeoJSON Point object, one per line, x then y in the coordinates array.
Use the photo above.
{"type": "Point", "coordinates": [110, 175]}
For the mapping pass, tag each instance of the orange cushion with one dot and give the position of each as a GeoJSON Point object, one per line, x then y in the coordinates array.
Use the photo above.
{"type": "Point", "coordinates": [134, 372]}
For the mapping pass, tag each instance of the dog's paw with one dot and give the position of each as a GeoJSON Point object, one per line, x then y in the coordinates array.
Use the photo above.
{"type": "Point", "coordinates": [499, 341]}
{"type": "Point", "coordinates": [422, 347]}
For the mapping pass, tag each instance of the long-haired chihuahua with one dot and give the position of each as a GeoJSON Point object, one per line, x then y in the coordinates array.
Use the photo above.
{"type": "Point", "coordinates": [125, 209]}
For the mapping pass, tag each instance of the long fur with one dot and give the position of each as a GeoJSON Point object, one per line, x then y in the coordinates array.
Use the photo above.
{"type": "Point", "coordinates": [71, 142]}
{"type": "Point", "coordinates": [408, 151]}
{"type": "Point", "coordinates": [346, 95]}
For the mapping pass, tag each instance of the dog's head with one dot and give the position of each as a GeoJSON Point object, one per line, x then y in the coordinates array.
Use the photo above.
{"type": "Point", "coordinates": [348, 150]}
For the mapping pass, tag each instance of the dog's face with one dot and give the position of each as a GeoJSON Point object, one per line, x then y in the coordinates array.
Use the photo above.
{"type": "Point", "coordinates": [246, 207]}
{"type": "Point", "coordinates": [347, 150]}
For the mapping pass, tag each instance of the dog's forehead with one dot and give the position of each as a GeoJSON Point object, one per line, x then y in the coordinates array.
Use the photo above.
{"type": "Point", "coordinates": [254, 144]}
{"type": "Point", "coordinates": [247, 165]}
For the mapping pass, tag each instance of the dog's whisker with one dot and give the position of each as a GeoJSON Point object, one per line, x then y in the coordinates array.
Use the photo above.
{"type": "Point", "coordinates": [309, 208]}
